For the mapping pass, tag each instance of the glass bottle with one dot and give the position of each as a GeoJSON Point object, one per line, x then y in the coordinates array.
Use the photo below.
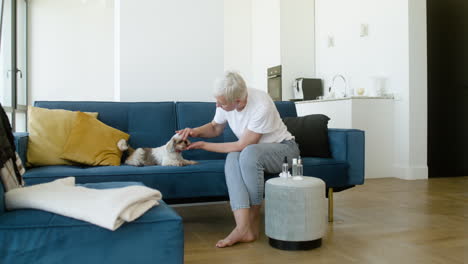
{"type": "Point", "coordinates": [285, 171]}
{"type": "Point", "coordinates": [294, 167]}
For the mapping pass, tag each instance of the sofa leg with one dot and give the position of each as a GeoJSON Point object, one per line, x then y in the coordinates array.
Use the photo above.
{"type": "Point", "coordinates": [330, 204]}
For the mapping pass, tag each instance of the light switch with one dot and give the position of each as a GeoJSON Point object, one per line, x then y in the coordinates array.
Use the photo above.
{"type": "Point", "coordinates": [364, 30]}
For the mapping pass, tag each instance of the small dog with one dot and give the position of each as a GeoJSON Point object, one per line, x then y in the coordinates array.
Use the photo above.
{"type": "Point", "coordinates": [167, 155]}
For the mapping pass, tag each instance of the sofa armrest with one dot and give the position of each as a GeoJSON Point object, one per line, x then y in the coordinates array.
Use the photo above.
{"type": "Point", "coordinates": [349, 145]}
{"type": "Point", "coordinates": [21, 144]}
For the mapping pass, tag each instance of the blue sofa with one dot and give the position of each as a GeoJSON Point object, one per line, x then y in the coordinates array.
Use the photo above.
{"type": "Point", "coordinates": [32, 236]}
{"type": "Point", "coordinates": [151, 124]}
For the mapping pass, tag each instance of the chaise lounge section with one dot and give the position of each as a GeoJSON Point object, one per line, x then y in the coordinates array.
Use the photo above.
{"type": "Point", "coordinates": [35, 236]}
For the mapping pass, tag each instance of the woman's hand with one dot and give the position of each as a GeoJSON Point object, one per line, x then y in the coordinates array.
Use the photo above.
{"type": "Point", "coordinates": [187, 132]}
{"type": "Point", "coordinates": [197, 145]}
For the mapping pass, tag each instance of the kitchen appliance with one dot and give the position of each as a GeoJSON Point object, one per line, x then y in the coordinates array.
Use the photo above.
{"type": "Point", "coordinates": [307, 88]}
{"type": "Point", "coordinates": [274, 83]}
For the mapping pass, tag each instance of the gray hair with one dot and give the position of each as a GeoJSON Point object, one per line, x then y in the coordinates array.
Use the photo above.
{"type": "Point", "coordinates": [231, 86]}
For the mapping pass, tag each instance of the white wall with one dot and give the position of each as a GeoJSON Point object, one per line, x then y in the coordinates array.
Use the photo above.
{"type": "Point", "coordinates": [280, 31]}
{"type": "Point", "coordinates": [418, 91]}
{"type": "Point", "coordinates": [5, 59]}
{"type": "Point", "coordinates": [170, 50]}
{"type": "Point", "coordinates": [383, 53]}
{"type": "Point", "coordinates": [71, 50]}
{"type": "Point", "coordinates": [297, 42]}
{"type": "Point", "coordinates": [238, 37]}
{"type": "Point", "coordinates": [266, 50]}
{"type": "Point", "coordinates": [160, 52]}
{"type": "Point", "coordinates": [117, 62]}
{"type": "Point", "coordinates": [395, 49]}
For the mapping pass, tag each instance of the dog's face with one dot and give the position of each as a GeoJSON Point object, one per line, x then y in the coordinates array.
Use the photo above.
{"type": "Point", "coordinates": [177, 144]}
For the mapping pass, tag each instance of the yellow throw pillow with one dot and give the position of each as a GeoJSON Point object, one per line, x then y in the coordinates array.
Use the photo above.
{"type": "Point", "coordinates": [48, 133]}
{"type": "Point", "coordinates": [92, 142]}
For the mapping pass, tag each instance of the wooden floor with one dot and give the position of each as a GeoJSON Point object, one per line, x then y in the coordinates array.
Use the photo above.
{"type": "Point", "coordinates": [382, 221]}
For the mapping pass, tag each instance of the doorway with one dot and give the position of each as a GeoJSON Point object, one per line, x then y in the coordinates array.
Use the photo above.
{"type": "Point", "coordinates": [447, 36]}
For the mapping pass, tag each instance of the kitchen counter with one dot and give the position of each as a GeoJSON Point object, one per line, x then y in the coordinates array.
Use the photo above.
{"type": "Point", "coordinates": [374, 115]}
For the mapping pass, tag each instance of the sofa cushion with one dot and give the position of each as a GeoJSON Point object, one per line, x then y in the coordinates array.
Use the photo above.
{"type": "Point", "coordinates": [286, 109]}
{"type": "Point", "coordinates": [149, 124]}
{"type": "Point", "coordinates": [205, 179]}
{"type": "Point", "coordinates": [33, 236]}
{"type": "Point", "coordinates": [94, 143]}
{"type": "Point", "coordinates": [333, 172]}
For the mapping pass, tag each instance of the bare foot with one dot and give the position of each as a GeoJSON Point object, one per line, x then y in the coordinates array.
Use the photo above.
{"type": "Point", "coordinates": [235, 237]}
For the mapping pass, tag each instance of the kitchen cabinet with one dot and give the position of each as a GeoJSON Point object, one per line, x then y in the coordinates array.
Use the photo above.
{"type": "Point", "coordinates": [374, 115]}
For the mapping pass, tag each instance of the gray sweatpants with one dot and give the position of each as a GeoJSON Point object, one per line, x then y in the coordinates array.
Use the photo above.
{"type": "Point", "coordinates": [244, 170]}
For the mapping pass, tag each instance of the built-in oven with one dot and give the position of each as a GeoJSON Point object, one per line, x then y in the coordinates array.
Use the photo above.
{"type": "Point", "coordinates": [274, 83]}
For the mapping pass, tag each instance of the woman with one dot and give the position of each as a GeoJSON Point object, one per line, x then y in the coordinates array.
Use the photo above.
{"type": "Point", "coordinates": [263, 143]}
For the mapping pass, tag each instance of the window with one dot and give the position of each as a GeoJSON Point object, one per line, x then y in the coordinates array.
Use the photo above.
{"type": "Point", "coordinates": [13, 61]}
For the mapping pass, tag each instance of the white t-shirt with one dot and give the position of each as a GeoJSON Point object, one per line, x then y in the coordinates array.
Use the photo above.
{"type": "Point", "coordinates": [259, 115]}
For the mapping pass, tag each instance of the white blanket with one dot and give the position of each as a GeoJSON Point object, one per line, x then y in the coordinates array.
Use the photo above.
{"type": "Point", "coordinates": [108, 208]}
